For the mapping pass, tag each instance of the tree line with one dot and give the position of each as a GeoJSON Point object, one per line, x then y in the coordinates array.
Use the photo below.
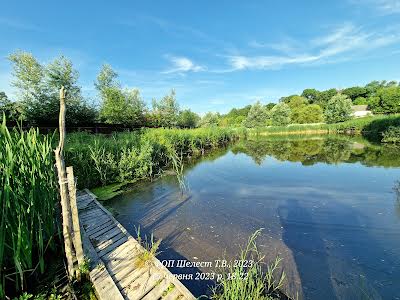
{"type": "Point", "coordinates": [37, 101]}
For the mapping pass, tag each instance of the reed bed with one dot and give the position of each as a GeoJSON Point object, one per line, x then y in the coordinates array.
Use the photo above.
{"type": "Point", "coordinates": [27, 200]}
{"type": "Point", "coordinates": [126, 157]}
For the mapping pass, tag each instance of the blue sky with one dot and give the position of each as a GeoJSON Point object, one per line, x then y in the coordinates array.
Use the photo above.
{"type": "Point", "coordinates": [215, 54]}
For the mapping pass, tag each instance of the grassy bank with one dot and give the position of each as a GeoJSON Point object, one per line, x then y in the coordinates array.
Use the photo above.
{"type": "Point", "coordinates": [373, 126]}
{"type": "Point", "coordinates": [100, 160]}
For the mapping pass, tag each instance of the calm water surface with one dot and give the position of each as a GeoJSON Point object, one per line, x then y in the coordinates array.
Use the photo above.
{"type": "Point", "coordinates": [327, 206]}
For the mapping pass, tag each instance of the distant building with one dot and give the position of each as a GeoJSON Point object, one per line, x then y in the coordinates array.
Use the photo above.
{"type": "Point", "coordinates": [360, 111]}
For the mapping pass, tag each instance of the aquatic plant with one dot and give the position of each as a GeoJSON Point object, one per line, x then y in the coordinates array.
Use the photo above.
{"type": "Point", "coordinates": [242, 281]}
{"type": "Point", "coordinates": [150, 245]}
{"type": "Point", "coordinates": [27, 200]}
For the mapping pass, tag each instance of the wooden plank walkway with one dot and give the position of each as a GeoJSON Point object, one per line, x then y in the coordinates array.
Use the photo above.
{"type": "Point", "coordinates": [113, 252]}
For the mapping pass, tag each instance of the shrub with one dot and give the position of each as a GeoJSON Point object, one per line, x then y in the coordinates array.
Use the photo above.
{"type": "Point", "coordinates": [280, 114]}
{"type": "Point", "coordinates": [391, 135]}
{"type": "Point", "coordinates": [338, 109]}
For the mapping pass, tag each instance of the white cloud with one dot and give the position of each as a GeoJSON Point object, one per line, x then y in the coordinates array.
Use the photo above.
{"type": "Point", "coordinates": [383, 6]}
{"type": "Point", "coordinates": [346, 39]}
{"type": "Point", "coordinates": [182, 65]}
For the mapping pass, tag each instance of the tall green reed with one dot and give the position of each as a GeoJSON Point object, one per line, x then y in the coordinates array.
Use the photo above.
{"type": "Point", "coordinates": [27, 201]}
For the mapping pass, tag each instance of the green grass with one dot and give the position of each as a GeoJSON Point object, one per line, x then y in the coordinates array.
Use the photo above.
{"type": "Point", "coordinates": [28, 200]}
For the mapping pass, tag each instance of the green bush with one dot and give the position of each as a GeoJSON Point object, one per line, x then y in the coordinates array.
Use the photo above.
{"type": "Point", "coordinates": [391, 135]}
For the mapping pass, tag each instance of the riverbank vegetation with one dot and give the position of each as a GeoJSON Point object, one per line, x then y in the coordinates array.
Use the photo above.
{"type": "Point", "coordinates": [247, 279]}
{"type": "Point", "coordinates": [126, 157]}
{"type": "Point", "coordinates": [28, 200]}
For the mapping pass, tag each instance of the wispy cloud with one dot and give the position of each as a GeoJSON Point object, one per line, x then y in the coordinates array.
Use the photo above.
{"type": "Point", "coordinates": [182, 65]}
{"type": "Point", "coordinates": [17, 24]}
{"type": "Point", "coordinates": [385, 7]}
{"type": "Point", "coordinates": [344, 40]}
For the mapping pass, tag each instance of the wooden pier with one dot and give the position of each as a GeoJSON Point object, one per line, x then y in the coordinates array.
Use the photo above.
{"type": "Point", "coordinates": [113, 254]}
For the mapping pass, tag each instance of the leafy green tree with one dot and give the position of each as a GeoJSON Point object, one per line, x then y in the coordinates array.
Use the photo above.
{"type": "Point", "coordinates": [210, 119]}
{"type": "Point", "coordinates": [165, 112]}
{"type": "Point", "coordinates": [188, 119]}
{"type": "Point", "coordinates": [374, 104]}
{"type": "Point", "coordinates": [311, 95]}
{"type": "Point", "coordinates": [256, 117]}
{"type": "Point", "coordinates": [38, 90]}
{"type": "Point", "coordinates": [12, 110]}
{"type": "Point", "coordinates": [355, 92]}
{"type": "Point", "coordinates": [389, 99]}
{"type": "Point", "coordinates": [312, 113]}
{"type": "Point", "coordinates": [297, 102]}
{"type": "Point", "coordinates": [106, 78]}
{"type": "Point", "coordinates": [360, 101]}
{"type": "Point", "coordinates": [269, 106]}
{"type": "Point", "coordinates": [122, 107]}
{"type": "Point", "coordinates": [324, 97]}
{"type": "Point", "coordinates": [280, 114]}
{"type": "Point", "coordinates": [338, 109]}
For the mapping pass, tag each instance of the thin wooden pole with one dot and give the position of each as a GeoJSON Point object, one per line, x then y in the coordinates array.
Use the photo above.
{"type": "Point", "coordinates": [74, 213]}
{"type": "Point", "coordinates": [62, 180]}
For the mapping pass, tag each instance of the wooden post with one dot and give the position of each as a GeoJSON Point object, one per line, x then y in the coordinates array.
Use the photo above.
{"type": "Point", "coordinates": [74, 213]}
{"type": "Point", "coordinates": [62, 180]}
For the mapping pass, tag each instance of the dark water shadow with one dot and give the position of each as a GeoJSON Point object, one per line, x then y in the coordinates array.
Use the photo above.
{"type": "Point", "coordinates": [331, 263]}
{"type": "Point", "coordinates": [304, 248]}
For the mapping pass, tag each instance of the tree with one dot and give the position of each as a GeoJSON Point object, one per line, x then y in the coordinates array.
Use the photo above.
{"type": "Point", "coordinates": [389, 99]}
{"type": "Point", "coordinates": [280, 114]}
{"type": "Point", "coordinates": [311, 95]}
{"type": "Point", "coordinates": [269, 106]}
{"type": "Point", "coordinates": [256, 117]}
{"type": "Point", "coordinates": [355, 92]}
{"type": "Point", "coordinates": [210, 119]}
{"type": "Point", "coordinates": [165, 112]}
{"type": "Point", "coordinates": [324, 97]}
{"type": "Point", "coordinates": [338, 109]}
{"type": "Point", "coordinates": [38, 86]}
{"type": "Point", "coordinates": [12, 110]}
{"type": "Point", "coordinates": [360, 101]}
{"type": "Point", "coordinates": [188, 119]}
{"type": "Point", "coordinates": [107, 78]}
{"type": "Point", "coordinates": [312, 113]}
{"type": "Point", "coordinates": [297, 102]}
{"type": "Point", "coordinates": [122, 107]}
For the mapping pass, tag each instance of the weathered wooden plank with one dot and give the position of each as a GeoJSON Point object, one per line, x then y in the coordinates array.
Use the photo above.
{"type": "Point", "coordinates": [101, 226]}
{"type": "Point", "coordinates": [114, 245]}
{"type": "Point", "coordinates": [102, 281]}
{"type": "Point", "coordinates": [158, 290]}
{"type": "Point", "coordinates": [173, 295]}
{"type": "Point", "coordinates": [105, 236]}
{"type": "Point", "coordinates": [141, 286]}
{"type": "Point", "coordinates": [104, 285]}
{"type": "Point", "coordinates": [117, 253]}
{"type": "Point", "coordinates": [95, 223]}
{"type": "Point", "coordinates": [106, 243]}
{"type": "Point", "coordinates": [102, 230]}
{"type": "Point", "coordinates": [127, 255]}
{"type": "Point", "coordinates": [92, 216]}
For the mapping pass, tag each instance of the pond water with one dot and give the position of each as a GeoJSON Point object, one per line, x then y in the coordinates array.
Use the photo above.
{"type": "Point", "coordinates": [328, 207]}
